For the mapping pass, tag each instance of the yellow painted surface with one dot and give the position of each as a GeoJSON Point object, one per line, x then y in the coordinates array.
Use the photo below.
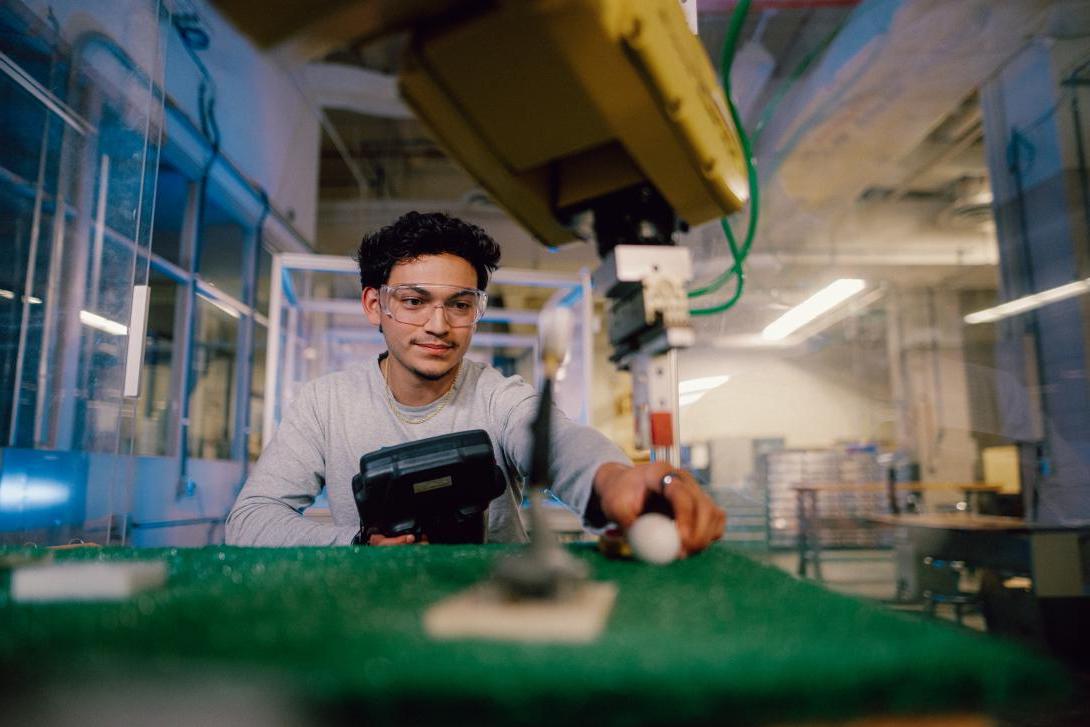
{"type": "Point", "coordinates": [551, 103]}
{"type": "Point", "coordinates": [1001, 468]}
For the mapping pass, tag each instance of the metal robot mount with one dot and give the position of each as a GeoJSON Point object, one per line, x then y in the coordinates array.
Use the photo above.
{"type": "Point", "coordinates": [645, 284]}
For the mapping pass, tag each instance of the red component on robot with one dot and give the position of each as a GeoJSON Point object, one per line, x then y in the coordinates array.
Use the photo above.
{"type": "Point", "coordinates": [662, 429]}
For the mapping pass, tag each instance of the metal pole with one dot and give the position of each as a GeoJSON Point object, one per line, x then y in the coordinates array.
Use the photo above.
{"type": "Point", "coordinates": [674, 451]}
{"type": "Point", "coordinates": [272, 351]}
{"type": "Point", "coordinates": [587, 304]}
{"type": "Point", "coordinates": [100, 230]}
{"type": "Point", "coordinates": [53, 310]}
{"type": "Point", "coordinates": [28, 284]}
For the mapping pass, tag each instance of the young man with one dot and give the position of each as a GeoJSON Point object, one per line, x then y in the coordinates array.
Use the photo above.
{"type": "Point", "coordinates": [423, 283]}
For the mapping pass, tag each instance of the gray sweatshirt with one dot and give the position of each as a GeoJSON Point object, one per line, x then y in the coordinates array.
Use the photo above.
{"type": "Point", "coordinates": [335, 419]}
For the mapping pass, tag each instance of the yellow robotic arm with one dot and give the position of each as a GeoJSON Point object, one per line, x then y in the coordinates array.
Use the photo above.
{"type": "Point", "coordinates": [582, 116]}
{"type": "Point", "coordinates": [585, 119]}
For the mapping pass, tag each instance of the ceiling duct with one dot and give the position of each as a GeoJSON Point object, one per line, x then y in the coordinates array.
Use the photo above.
{"type": "Point", "coordinates": [888, 80]}
{"type": "Point", "coordinates": [972, 206]}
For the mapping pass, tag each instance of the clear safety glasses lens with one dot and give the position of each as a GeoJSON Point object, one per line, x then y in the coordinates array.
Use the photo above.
{"type": "Point", "coordinates": [415, 303]}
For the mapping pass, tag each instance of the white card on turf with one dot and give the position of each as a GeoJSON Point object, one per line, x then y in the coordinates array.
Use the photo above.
{"type": "Point", "coordinates": [486, 612]}
{"type": "Point", "coordinates": [86, 581]}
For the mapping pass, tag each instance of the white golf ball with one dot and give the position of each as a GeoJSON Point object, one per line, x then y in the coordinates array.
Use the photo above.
{"type": "Point", "coordinates": [654, 539]}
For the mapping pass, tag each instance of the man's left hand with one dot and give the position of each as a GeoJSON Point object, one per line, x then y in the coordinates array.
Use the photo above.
{"type": "Point", "coordinates": [625, 491]}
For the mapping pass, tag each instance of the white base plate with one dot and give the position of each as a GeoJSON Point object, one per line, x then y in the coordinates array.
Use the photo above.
{"type": "Point", "coordinates": [85, 581]}
{"type": "Point", "coordinates": [485, 612]}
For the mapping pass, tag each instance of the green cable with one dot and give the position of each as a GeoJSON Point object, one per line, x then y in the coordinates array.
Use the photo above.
{"type": "Point", "coordinates": [738, 256]}
{"type": "Point", "coordinates": [726, 61]}
{"type": "Point", "coordinates": [735, 269]}
{"type": "Point", "coordinates": [722, 306]}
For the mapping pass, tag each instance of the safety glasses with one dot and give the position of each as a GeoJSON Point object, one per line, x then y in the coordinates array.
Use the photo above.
{"type": "Point", "coordinates": [414, 303]}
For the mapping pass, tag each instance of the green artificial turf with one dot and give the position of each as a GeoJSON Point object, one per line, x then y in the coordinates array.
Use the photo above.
{"type": "Point", "coordinates": [712, 636]}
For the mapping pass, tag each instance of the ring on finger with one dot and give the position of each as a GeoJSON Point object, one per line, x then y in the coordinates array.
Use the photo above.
{"type": "Point", "coordinates": [666, 481]}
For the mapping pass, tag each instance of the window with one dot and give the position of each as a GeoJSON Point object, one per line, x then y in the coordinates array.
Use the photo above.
{"type": "Point", "coordinates": [157, 407]}
{"type": "Point", "coordinates": [212, 394]}
{"type": "Point", "coordinates": [29, 158]}
{"type": "Point", "coordinates": [261, 284]}
{"type": "Point", "coordinates": [21, 316]}
{"type": "Point", "coordinates": [171, 198]}
{"type": "Point", "coordinates": [223, 243]}
{"type": "Point", "coordinates": [257, 392]}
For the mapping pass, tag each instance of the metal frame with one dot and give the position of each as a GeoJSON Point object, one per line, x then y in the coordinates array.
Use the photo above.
{"type": "Point", "coordinates": [282, 298]}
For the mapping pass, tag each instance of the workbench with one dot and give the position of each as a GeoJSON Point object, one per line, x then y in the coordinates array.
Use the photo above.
{"type": "Point", "coordinates": [1055, 558]}
{"type": "Point", "coordinates": [336, 632]}
{"type": "Point", "coordinates": [813, 520]}
{"type": "Point", "coordinates": [1051, 553]}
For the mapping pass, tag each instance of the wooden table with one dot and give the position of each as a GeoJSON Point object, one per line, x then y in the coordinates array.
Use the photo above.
{"type": "Point", "coordinates": [957, 521]}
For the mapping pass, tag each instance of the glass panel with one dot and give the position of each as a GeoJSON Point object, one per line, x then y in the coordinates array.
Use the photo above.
{"type": "Point", "coordinates": [157, 407]}
{"type": "Point", "coordinates": [27, 41]}
{"type": "Point", "coordinates": [264, 270]}
{"type": "Point", "coordinates": [257, 391]}
{"type": "Point", "coordinates": [223, 244]}
{"type": "Point", "coordinates": [21, 316]}
{"type": "Point", "coordinates": [885, 382]}
{"type": "Point", "coordinates": [171, 196]}
{"type": "Point", "coordinates": [101, 342]}
{"type": "Point", "coordinates": [80, 125]}
{"type": "Point", "coordinates": [212, 396]}
{"type": "Point", "coordinates": [29, 164]}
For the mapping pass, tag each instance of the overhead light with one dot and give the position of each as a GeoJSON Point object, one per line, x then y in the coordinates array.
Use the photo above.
{"type": "Point", "coordinates": [704, 383]}
{"type": "Point", "coordinates": [691, 390]}
{"type": "Point", "coordinates": [1029, 302]}
{"type": "Point", "coordinates": [687, 399]}
{"type": "Point", "coordinates": [88, 318]}
{"type": "Point", "coordinates": [824, 300]}
{"type": "Point", "coordinates": [229, 310]}
{"type": "Point", "coordinates": [32, 493]}
{"type": "Point", "coordinates": [9, 295]}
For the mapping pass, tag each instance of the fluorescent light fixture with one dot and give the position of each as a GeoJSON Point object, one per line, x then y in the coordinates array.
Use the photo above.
{"type": "Point", "coordinates": [226, 308]}
{"type": "Point", "coordinates": [704, 383]}
{"type": "Point", "coordinates": [31, 493]}
{"type": "Point", "coordinates": [9, 295]}
{"type": "Point", "coordinates": [1029, 302]}
{"type": "Point", "coordinates": [691, 390]}
{"type": "Point", "coordinates": [824, 300]}
{"type": "Point", "coordinates": [687, 399]}
{"type": "Point", "coordinates": [222, 306]}
{"type": "Point", "coordinates": [88, 318]}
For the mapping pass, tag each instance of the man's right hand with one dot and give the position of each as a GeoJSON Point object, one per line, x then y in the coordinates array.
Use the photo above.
{"type": "Point", "coordinates": [380, 539]}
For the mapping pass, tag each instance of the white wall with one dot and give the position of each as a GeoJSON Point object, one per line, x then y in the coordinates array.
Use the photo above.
{"type": "Point", "coordinates": [769, 395]}
{"type": "Point", "coordinates": [270, 129]}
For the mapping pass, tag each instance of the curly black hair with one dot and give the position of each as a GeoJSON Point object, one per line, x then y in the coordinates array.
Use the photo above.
{"type": "Point", "coordinates": [416, 234]}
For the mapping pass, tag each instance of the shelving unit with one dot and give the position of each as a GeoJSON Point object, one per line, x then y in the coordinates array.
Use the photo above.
{"type": "Point", "coordinates": [842, 513]}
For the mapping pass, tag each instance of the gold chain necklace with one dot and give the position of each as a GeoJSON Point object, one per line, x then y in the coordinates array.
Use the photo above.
{"type": "Point", "coordinates": [392, 403]}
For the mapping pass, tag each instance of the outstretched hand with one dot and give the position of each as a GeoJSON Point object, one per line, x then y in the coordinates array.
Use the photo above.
{"type": "Point", "coordinates": [627, 492]}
